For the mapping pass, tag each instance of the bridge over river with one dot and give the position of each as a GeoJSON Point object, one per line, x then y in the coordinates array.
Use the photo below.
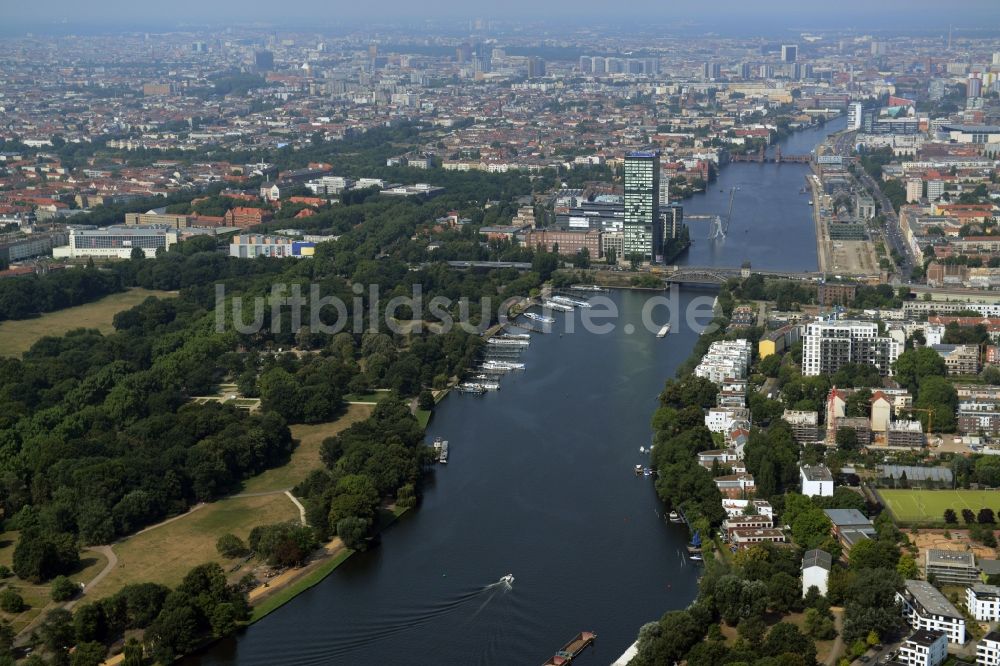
{"type": "Point", "coordinates": [722, 274]}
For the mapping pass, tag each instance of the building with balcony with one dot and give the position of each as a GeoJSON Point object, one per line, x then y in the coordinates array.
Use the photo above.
{"type": "Point", "coordinates": [924, 607]}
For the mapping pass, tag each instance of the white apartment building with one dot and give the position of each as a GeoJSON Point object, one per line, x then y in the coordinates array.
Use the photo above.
{"type": "Point", "coordinates": [983, 601]}
{"type": "Point", "coordinates": [924, 648]}
{"type": "Point", "coordinates": [988, 650]}
{"type": "Point", "coordinates": [725, 359]}
{"type": "Point", "coordinates": [829, 345]}
{"type": "Point", "coordinates": [722, 419]}
{"type": "Point", "coordinates": [924, 607]}
{"type": "Point", "coordinates": [816, 480]}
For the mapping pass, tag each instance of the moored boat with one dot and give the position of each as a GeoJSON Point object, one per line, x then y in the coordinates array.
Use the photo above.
{"type": "Point", "coordinates": [572, 649]}
{"type": "Point", "coordinates": [663, 331]}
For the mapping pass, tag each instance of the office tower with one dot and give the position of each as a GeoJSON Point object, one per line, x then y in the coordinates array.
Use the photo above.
{"type": "Point", "coordinates": [263, 61]}
{"type": "Point", "coordinates": [199, 47]}
{"type": "Point", "coordinates": [935, 188]}
{"type": "Point", "coordinates": [789, 52]}
{"type": "Point", "coordinates": [974, 85]}
{"type": "Point", "coordinates": [600, 66]}
{"type": "Point", "coordinates": [854, 115]}
{"type": "Point", "coordinates": [664, 190]}
{"type": "Point", "coordinates": [586, 64]}
{"type": "Point", "coordinates": [746, 71]}
{"type": "Point", "coordinates": [463, 53]}
{"type": "Point", "coordinates": [536, 67]}
{"type": "Point", "coordinates": [796, 72]}
{"type": "Point", "coordinates": [642, 205]}
{"type": "Point", "coordinates": [879, 48]}
{"type": "Point", "coordinates": [712, 70]}
{"type": "Point", "coordinates": [807, 71]}
{"type": "Point", "coordinates": [766, 71]}
{"type": "Point", "coordinates": [482, 63]}
{"type": "Point", "coordinates": [996, 59]}
{"type": "Point", "coordinates": [673, 220]}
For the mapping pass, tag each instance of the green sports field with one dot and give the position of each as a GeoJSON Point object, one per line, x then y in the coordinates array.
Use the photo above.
{"type": "Point", "coordinates": [928, 506]}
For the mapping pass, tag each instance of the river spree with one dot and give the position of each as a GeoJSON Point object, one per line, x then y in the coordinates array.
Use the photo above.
{"type": "Point", "coordinates": [540, 484]}
{"type": "Point", "coordinates": [772, 222]}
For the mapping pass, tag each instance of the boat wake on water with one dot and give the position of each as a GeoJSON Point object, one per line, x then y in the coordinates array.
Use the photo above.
{"type": "Point", "coordinates": [410, 619]}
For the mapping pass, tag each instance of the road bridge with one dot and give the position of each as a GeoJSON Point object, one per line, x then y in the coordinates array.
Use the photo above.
{"type": "Point", "coordinates": [721, 274]}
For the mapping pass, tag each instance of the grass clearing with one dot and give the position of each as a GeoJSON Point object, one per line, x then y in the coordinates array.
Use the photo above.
{"type": "Point", "coordinates": [928, 506]}
{"type": "Point", "coordinates": [372, 397]}
{"type": "Point", "coordinates": [16, 337]}
{"type": "Point", "coordinates": [165, 554]}
{"type": "Point", "coordinates": [38, 597]}
{"type": "Point", "coordinates": [305, 457]}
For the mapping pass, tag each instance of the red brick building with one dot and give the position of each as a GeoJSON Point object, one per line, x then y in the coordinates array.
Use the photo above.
{"type": "Point", "coordinates": [246, 217]}
{"type": "Point", "coordinates": [569, 241]}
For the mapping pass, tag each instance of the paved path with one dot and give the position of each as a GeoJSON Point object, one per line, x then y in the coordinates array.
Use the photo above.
{"type": "Point", "coordinates": [296, 502]}
{"type": "Point", "coordinates": [837, 648]}
{"type": "Point", "coordinates": [22, 637]}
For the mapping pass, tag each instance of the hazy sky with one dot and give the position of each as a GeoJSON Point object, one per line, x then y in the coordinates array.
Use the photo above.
{"type": "Point", "coordinates": [872, 14]}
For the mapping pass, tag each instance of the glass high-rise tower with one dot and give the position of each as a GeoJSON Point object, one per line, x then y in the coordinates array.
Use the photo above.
{"type": "Point", "coordinates": [642, 205]}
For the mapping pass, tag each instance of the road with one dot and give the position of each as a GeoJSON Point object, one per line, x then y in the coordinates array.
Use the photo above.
{"type": "Point", "coordinates": [890, 231]}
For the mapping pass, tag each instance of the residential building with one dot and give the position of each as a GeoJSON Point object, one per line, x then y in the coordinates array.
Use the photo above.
{"type": "Point", "coordinates": [829, 345]}
{"type": "Point", "coordinates": [745, 538]}
{"type": "Point", "coordinates": [983, 601]}
{"type": "Point", "coordinates": [775, 342]}
{"type": "Point", "coordinates": [959, 359]}
{"type": "Point", "coordinates": [805, 425]}
{"type": "Point", "coordinates": [721, 419]}
{"type": "Point", "coordinates": [924, 607]}
{"type": "Point", "coordinates": [914, 190]}
{"type": "Point", "coordinates": [242, 217]}
{"type": "Point", "coordinates": [721, 457]}
{"type": "Point", "coordinates": [724, 360]}
{"type": "Point", "coordinates": [905, 433]}
{"type": "Point", "coordinates": [924, 648]}
{"type": "Point", "coordinates": [740, 507]}
{"type": "Point", "coordinates": [816, 480]}
{"type": "Point", "coordinates": [988, 650]}
{"type": "Point", "coordinates": [951, 566]}
{"type": "Point", "coordinates": [881, 408]}
{"type": "Point", "coordinates": [816, 565]}
{"type": "Point", "coordinates": [251, 246]}
{"type": "Point", "coordinates": [859, 424]}
{"type": "Point", "coordinates": [979, 418]}
{"type": "Point", "coordinates": [642, 205]}
{"type": "Point", "coordinates": [735, 486]}
{"type": "Point", "coordinates": [746, 522]}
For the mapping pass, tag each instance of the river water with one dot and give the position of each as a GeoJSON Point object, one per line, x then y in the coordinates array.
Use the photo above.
{"type": "Point", "coordinates": [772, 222]}
{"type": "Point", "coordinates": [540, 484]}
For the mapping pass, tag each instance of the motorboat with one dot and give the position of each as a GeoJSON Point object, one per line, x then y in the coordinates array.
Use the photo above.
{"type": "Point", "coordinates": [508, 579]}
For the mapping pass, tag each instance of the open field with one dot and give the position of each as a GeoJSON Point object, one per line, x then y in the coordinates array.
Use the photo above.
{"type": "Point", "coordinates": [305, 457]}
{"type": "Point", "coordinates": [928, 506]}
{"type": "Point", "coordinates": [38, 596]}
{"type": "Point", "coordinates": [16, 337]}
{"type": "Point", "coordinates": [164, 554]}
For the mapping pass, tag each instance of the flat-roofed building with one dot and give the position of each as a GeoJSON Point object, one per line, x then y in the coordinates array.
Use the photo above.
{"type": "Point", "coordinates": [959, 359]}
{"type": "Point", "coordinates": [988, 650]}
{"type": "Point", "coordinates": [805, 425]}
{"type": "Point", "coordinates": [816, 480]}
{"type": "Point", "coordinates": [924, 648]}
{"type": "Point", "coordinates": [566, 241]}
{"type": "Point", "coordinates": [951, 566]}
{"type": "Point", "coordinates": [747, 537]}
{"type": "Point", "coordinates": [116, 242]}
{"type": "Point", "coordinates": [983, 601]}
{"type": "Point", "coordinates": [924, 607]}
{"type": "Point", "coordinates": [905, 433]}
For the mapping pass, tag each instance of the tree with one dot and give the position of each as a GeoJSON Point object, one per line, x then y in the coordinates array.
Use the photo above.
{"type": "Point", "coordinates": [913, 365]}
{"type": "Point", "coordinates": [134, 653]}
{"type": "Point", "coordinates": [907, 568]}
{"type": "Point", "coordinates": [223, 619]}
{"type": "Point", "coordinates": [173, 633]}
{"type": "Point", "coordinates": [38, 558]}
{"type": "Point", "coordinates": [986, 517]}
{"type": "Point", "coordinates": [11, 601]}
{"type": "Point", "coordinates": [57, 630]}
{"type": "Point", "coordinates": [230, 545]}
{"type": "Point", "coordinates": [783, 592]}
{"type": "Point", "coordinates": [950, 517]}
{"type": "Point", "coordinates": [63, 589]}
{"type": "Point", "coordinates": [425, 401]}
{"type": "Point", "coordinates": [847, 439]}
{"type": "Point", "coordinates": [90, 653]}
{"type": "Point", "coordinates": [352, 530]}
{"type": "Point", "coordinates": [668, 640]}
{"type": "Point", "coordinates": [819, 625]}
{"type": "Point", "coordinates": [785, 638]}
{"type": "Point", "coordinates": [968, 516]}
